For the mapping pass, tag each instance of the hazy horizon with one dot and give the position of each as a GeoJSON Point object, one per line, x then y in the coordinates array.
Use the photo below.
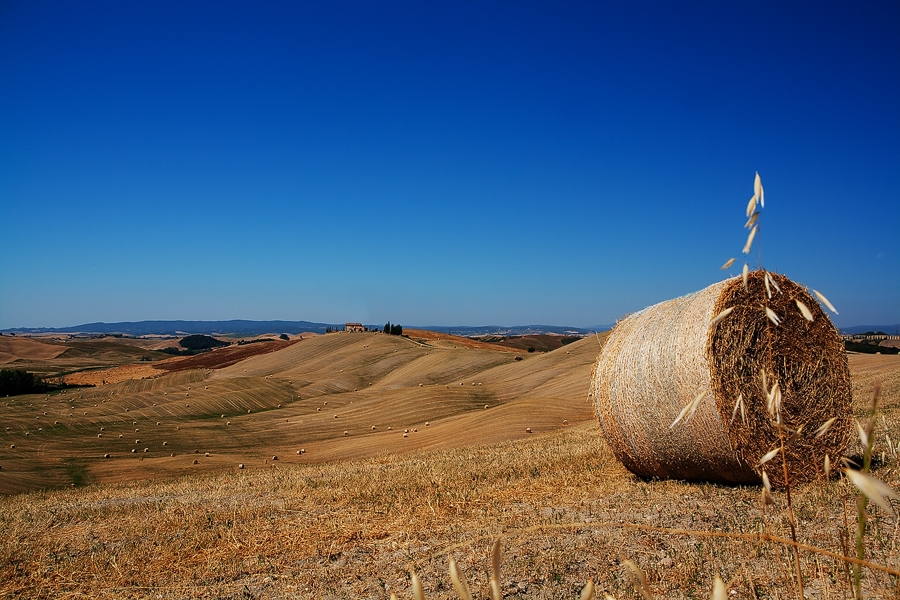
{"type": "Point", "coordinates": [439, 163]}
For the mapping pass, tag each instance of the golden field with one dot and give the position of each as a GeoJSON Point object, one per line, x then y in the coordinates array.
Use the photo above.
{"type": "Point", "coordinates": [355, 513]}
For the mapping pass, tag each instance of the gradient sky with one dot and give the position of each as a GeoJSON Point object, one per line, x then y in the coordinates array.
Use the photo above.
{"type": "Point", "coordinates": [460, 163]}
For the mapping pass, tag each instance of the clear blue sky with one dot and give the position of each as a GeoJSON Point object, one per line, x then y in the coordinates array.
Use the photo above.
{"type": "Point", "coordinates": [459, 163]}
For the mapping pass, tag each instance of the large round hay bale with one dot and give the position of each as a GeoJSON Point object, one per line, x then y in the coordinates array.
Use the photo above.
{"type": "Point", "coordinates": [657, 361]}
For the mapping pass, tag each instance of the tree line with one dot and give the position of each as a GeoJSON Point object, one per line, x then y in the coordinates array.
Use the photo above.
{"type": "Point", "coordinates": [14, 382]}
{"type": "Point", "coordinates": [393, 329]}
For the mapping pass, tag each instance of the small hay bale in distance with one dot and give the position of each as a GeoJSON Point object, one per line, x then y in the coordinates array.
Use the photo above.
{"type": "Point", "coordinates": [659, 359]}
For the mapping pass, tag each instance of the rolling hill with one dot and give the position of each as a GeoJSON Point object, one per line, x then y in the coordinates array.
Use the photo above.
{"type": "Point", "coordinates": [335, 396]}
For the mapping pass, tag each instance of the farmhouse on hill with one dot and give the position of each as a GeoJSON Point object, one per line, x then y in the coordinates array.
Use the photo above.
{"type": "Point", "coordinates": [354, 327]}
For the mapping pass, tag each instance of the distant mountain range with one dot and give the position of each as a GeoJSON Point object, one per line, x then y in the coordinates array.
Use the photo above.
{"type": "Point", "coordinates": [173, 328]}
{"type": "Point", "coordinates": [247, 328]}
{"type": "Point", "coordinates": [857, 329]}
{"type": "Point", "coordinates": [467, 331]}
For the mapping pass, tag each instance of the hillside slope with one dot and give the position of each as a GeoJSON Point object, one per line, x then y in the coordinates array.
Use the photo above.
{"type": "Point", "coordinates": [336, 396]}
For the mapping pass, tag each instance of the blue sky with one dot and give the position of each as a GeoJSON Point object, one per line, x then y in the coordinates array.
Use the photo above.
{"type": "Point", "coordinates": [458, 163]}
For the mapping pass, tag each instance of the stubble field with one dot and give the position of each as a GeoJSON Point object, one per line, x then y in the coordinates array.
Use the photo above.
{"type": "Point", "coordinates": [354, 514]}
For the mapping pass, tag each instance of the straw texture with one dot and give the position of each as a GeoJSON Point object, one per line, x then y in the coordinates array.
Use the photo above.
{"type": "Point", "coordinates": [657, 361]}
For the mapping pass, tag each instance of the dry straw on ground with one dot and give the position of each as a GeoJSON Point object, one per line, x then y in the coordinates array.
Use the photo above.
{"type": "Point", "coordinates": [704, 386]}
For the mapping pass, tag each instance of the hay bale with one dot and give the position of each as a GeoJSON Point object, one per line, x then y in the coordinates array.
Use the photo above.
{"type": "Point", "coordinates": [658, 360]}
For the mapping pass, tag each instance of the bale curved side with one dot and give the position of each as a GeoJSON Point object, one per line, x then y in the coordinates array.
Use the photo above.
{"type": "Point", "coordinates": [653, 364]}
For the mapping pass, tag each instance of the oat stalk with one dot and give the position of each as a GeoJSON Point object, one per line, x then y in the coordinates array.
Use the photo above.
{"type": "Point", "coordinates": [862, 499]}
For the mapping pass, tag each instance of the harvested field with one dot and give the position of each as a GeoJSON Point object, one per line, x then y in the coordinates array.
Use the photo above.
{"type": "Point", "coordinates": [111, 375]}
{"type": "Point", "coordinates": [445, 340]}
{"type": "Point", "coordinates": [275, 403]}
{"type": "Point", "coordinates": [51, 358]}
{"type": "Point", "coordinates": [223, 357]}
{"type": "Point", "coordinates": [352, 515]}
{"type": "Point", "coordinates": [13, 349]}
{"type": "Point", "coordinates": [539, 342]}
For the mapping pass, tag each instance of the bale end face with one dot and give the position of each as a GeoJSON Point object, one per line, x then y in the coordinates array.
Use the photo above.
{"type": "Point", "coordinates": [661, 359]}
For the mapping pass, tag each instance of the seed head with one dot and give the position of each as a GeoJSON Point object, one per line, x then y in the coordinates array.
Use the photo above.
{"type": "Point", "coordinates": [873, 489]}
{"type": "Point", "coordinates": [804, 310]}
{"type": "Point", "coordinates": [824, 427]}
{"type": "Point", "coordinates": [767, 457]}
{"type": "Point", "coordinates": [721, 315]}
{"type": "Point", "coordinates": [825, 301]}
{"type": "Point", "coordinates": [750, 239]}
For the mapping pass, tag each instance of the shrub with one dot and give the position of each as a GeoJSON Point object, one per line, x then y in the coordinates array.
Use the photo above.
{"type": "Point", "coordinates": [14, 382]}
{"type": "Point", "coordinates": [869, 348]}
{"type": "Point", "coordinates": [175, 351]}
{"type": "Point", "coordinates": [200, 342]}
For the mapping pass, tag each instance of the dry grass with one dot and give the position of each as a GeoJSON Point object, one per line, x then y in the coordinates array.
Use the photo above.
{"type": "Point", "coordinates": [53, 357]}
{"type": "Point", "coordinates": [355, 526]}
{"type": "Point", "coordinates": [567, 509]}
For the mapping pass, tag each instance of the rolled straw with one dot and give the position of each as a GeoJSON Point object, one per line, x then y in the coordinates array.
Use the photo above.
{"type": "Point", "coordinates": [659, 360]}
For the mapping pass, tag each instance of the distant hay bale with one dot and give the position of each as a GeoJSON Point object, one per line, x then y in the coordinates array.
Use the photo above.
{"type": "Point", "coordinates": [658, 360]}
